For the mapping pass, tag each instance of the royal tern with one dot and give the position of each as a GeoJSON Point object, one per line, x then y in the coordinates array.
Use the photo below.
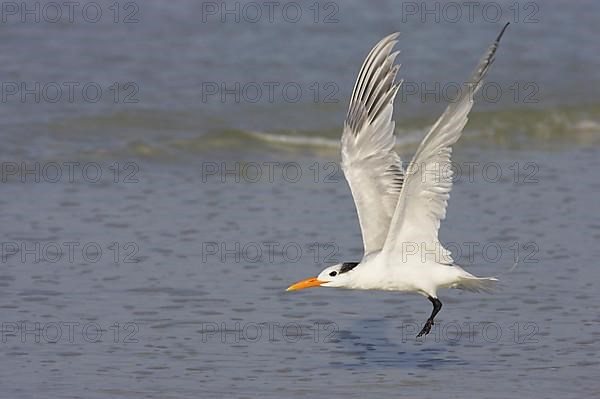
{"type": "Point", "coordinates": [399, 211]}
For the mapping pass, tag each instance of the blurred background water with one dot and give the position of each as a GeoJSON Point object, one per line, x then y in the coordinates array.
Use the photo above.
{"type": "Point", "coordinates": [168, 168]}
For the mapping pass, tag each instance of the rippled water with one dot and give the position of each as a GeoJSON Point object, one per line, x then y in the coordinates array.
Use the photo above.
{"type": "Point", "coordinates": [197, 320]}
{"type": "Point", "coordinates": [146, 246]}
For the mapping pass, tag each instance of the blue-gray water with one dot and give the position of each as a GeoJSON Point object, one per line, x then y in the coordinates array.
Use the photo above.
{"type": "Point", "coordinates": [148, 237]}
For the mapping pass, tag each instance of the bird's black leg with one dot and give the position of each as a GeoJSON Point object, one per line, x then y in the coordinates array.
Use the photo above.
{"type": "Point", "coordinates": [437, 305]}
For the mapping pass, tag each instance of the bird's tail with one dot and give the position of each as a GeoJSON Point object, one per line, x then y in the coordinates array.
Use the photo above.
{"type": "Point", "coordinates": [477, 284]}
{"type": "Point", "coordinates": [472, 283]}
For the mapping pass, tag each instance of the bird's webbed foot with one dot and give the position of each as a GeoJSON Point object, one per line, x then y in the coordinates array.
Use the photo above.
{"type": "Point", "coordinates": [426, 328]}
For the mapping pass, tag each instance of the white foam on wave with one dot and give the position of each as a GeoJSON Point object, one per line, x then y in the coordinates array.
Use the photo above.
{"type": "Point", "coordinates": [406, 139]}
{"type": "Point", "coordinates": [295, 140]}
{"type": "Point", "coordinates": [586, 125]}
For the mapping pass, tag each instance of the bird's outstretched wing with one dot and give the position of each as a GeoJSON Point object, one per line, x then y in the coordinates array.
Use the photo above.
{"type": "Point", "coordinates": [422, 202]}
{"type": "Point", "coordinates": [372, 168]}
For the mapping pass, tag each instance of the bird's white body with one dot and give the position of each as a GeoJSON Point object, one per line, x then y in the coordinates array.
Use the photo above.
{"type": "Point", "coordinates": [400, 210]}
{"type": "Point", "coordinates": [385, 272]}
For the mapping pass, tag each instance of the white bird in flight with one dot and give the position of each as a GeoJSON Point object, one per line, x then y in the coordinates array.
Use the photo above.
{"type": "Point", "coordinates": [400, 211]}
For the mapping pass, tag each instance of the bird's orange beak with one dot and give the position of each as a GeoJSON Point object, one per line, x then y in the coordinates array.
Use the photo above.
{"type": "Point", "coordinates": [309, 282]}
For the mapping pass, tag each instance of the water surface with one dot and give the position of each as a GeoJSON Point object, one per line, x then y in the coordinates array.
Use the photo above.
{"type": "Point", "coordinates": [164, 275]}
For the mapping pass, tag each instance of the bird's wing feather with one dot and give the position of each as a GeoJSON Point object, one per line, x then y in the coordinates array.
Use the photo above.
{"type": "Point", "coordinates": [422, 202]}
{"type": "Point", "coordinates": [372, 168]}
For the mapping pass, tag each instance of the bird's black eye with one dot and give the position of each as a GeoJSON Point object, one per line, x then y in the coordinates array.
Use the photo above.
{"type": "Point", "coordinates": [333, 274]}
